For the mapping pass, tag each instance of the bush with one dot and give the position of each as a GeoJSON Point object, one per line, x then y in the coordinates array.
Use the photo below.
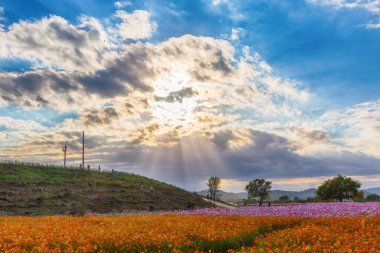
{"type": "Point", "coordinates": [373, 197]}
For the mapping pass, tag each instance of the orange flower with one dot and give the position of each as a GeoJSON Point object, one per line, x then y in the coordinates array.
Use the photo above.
{"type": "Point", "coordinates": [197, 233]}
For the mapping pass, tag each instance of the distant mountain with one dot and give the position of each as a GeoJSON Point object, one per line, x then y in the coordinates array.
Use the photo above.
{"type": "Point", "coordinates": [226, 196]}
{"type": "Point", "coordinates": [308, 193]}
{"type": "Point", "coordinates": [275, 195]}
{"type": "Point", "coordinates": [372, 190]}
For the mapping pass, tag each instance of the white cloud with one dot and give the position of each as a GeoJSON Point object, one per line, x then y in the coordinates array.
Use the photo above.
{"type": "Point", "coordinates": [197, 87]}
{"type": "Point", "coordinates": [217, 2]}
{"type": "Point", "coordinates": [229, 8]}
{"type": "Point", "coordinates": [372, 6]}
{"type": "Point", "coordinates": [149, 96]}
{"type": "Point", "coordinates": [3, 136]}
{"type": "Point", "coordinates": [235, 33]}
{"type": "Point", "coordinates": [122, 4]}
{"type": "Point", "coordinates": [356, 128]}
{"type": "Point", "coordinates": [136, 25]}
{"type": "Point", "coordinates": [2, 18]}
{"type": "Point", "coordinates": [374, 25]}
{"type": "Point", "coordinates": [53, 42]}
{"type": "Point", "coordinates": [18, 124]}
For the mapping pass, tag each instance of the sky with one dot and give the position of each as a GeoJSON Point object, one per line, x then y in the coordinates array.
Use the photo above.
{"type": "Point", "coordinates": [287, 90]}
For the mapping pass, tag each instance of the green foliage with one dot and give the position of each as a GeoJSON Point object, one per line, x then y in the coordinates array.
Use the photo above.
{"type": "Point", "coordinates": [259, 188]}
{"type": "Point", "coordinates": [373, 197]}
{"type": "Point", "coordinates": [213, 185]}
{"type": "Point", "coordinates": [249, 201]}
{"type": "Point", "coordinates": [359, 197]}
{"type": "Point", "coordinates": [311, 199]}
{"type": "Point", "coordinates": [284, 198]}
{"type": "Point", "coordinates": [338, 188]}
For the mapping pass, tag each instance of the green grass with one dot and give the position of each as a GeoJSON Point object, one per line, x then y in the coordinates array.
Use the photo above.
{"type": "Point", "coordinates": [39, 189]}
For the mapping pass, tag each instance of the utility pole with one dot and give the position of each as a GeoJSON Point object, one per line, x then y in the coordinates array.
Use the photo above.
{"type": "Point", "coordinates": [83, 150]}
{"type": "Point", "coordinates": [64, 149]}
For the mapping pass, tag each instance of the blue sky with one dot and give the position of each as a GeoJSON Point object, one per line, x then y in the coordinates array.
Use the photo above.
{"type": "Point", "coordinates": [305, 73]}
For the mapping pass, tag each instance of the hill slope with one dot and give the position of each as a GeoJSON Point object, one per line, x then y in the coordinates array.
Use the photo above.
{"type": "Point", "coordinates": [32, 189]}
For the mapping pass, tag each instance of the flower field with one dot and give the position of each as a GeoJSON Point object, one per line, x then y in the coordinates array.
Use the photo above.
{"type": "Point", "coordinates": [300, 210]}
{"type": "Point", "coordinates": [212, 231]}
{"type": "Point", "coordinates": [350, 234]}
{"type": "Point", "coordinates": [133, 233]}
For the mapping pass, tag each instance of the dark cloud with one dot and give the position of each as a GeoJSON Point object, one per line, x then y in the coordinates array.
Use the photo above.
{"type": "Point", "coordinates": [42, 101]}
{"type": "Point", "coordinates": [222, 64]}
{"type": "Point", "coordinates": [130, 69]}
{"type": "Point", "coordinates": [177, 96]}
{"type": "Point", "coordinates": [67, 33]}
{"type": "Point", "coordinates": [314, 135]}
{"type": "Point", "coordinates": [73, 140]}
{"type": "Point", "coordinates": [269, 156]}
{"type": "Point", "coordinates": [96, 117]}
{"type": "Point", "coordinates": [111, 112]}
{"type": "Point", "coordinates": [35, 85]}
{"type": "Point", "coordinates": [134, 68]}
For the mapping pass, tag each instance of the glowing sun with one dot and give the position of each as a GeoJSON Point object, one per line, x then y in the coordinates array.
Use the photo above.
{"type": "Point", "coordinates": [174, 98]}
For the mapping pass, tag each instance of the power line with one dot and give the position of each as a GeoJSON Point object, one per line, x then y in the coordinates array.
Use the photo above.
{"type": "Point", "coordinates": [64, 149]}
{"type": "Point", "coordinates": [83, 150]}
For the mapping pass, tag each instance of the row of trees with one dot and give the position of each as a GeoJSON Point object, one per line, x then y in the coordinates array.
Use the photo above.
{"type": "Point", "coordinates": [257, 188]}
{"type": "Point", "coordinates": [337, 188]}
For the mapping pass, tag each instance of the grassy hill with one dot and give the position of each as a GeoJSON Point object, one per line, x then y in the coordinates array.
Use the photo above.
{"type": "Point", "coordinates": [34, 189]}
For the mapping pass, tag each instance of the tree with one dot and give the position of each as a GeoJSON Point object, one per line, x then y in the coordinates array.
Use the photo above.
{"type": "Point", "coordinates": [284, 198]}
{"type": "Point", "coordinates": [359, 196]}
{"type": "Point", "coordinates": [373, 197]}
{"type": "Point", "coordinates": [259, 188]}
{"type": "Point", "coordinates": [213, 185]}
{"type": "Point", "coordinates": [339, 187]}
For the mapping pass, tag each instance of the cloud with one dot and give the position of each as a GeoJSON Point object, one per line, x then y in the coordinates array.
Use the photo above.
{"type": "Point", "coordinates": [18, 124]}
{"type": "Point", "coordinates": [371, 6]}
{"type": "Point", "coordinates": [103, 117]}
{"type": "Point", "coordinates": [375, 25]}
{"type": "Point", "coordinates": [122, 4]}
{"type": "Point", "coordinates": [136, 25]}
{"type": "Point", "coordinates": [356, 127]}
{"type": "Point", "coordinates": [195, 158]}
{"type": "Point", "coordinates": [235, 33]}
{"type": "Point", "coordinates": [53, 42]}
{"type": "Point", "coordinates": [189, 68]}
{"type": "Point", "coordinates": [2, 18]}
{"type": "Point", "coordinates": [180, 110]}
{"type": "Point", "coordinates": [227, 7]}
{"type": "Point", "coordinates": [198, 88]}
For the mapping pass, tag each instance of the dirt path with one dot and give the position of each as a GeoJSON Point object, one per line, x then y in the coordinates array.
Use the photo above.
{"type": "Point", "coordinates": [219, 204]}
